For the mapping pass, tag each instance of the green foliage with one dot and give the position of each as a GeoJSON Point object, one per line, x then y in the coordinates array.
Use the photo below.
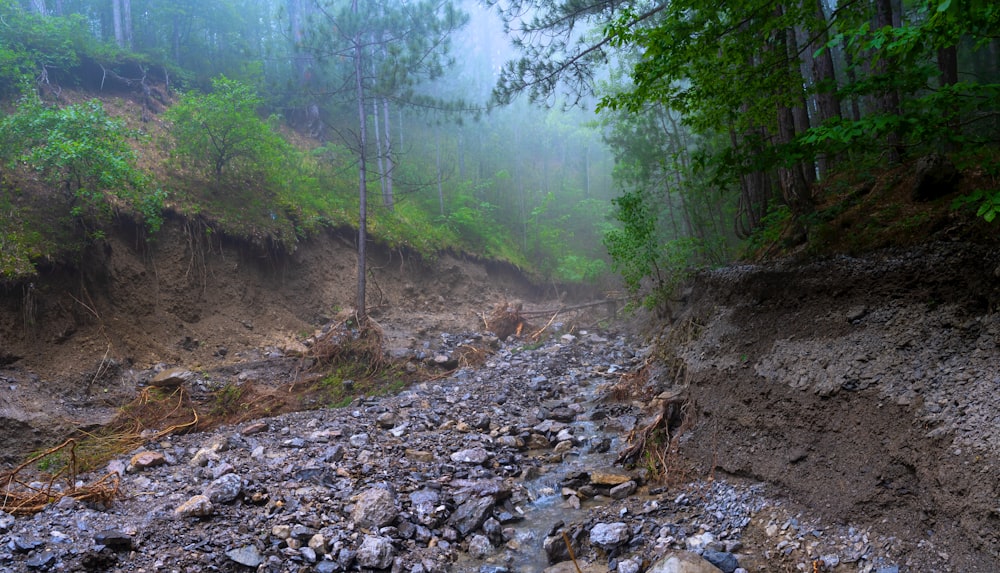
{"type": "Point", "coordinates": [84, 153]}
{"type": "Point", "coordinates": [986, 203]}
{"type": "Point", "coordinates": [220, 135]}
{"type": "Point", "coordinates": [578, 269]}
{"type": "Point", "coordinates": [772, 227]}
{"type": "Point", "coordinates": [652, 269]}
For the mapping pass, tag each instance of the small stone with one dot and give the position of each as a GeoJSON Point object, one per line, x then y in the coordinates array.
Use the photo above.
{"type": "Point", "coordinates": [172, 378]}
{"type": "Point", "coordinates": [386, 420]}
{"type": "Point", "coordinates": [114, 539]}
{"type": "Point", "coordinates": [6, 521]}
{"type": "Point", "coordinates": [725, 561]}
{"type": "Point", "coordinates": [197, 506]}
{"type": "Point", "coordinates": [609, 535]}
{"type": "Point", "coordinates": [374, 507]}
{"type": "Point", "coordinates": [419, 456]}
{"type": "Point", "coordinates": [41, 560]}
{"type": "Point", "coordinates": [203, 457]}
{"type": "Point", "coordinates": [318, 544]}
{"type": "Point", "coordinates": [247, 556]}
{"type": "Point", "coordinates": [623, 490]}
{"type": "Point", "coordinates": [683, 562]}
{"type": "Point", "coordinates": [255, 428]}
{"type": "Point", "coordinates": [225, 489]}
{"type": "Point", "coordinates": [144, 460]}
{"type": "Point", "coordinates": [632, 565]}
{"type": "Point", "coordinates": [480, 547]}
{"type": "Point", "coordinates": [376, 552]}
{"type": "Point", "coordinates": [359, 440]}
{"type": "Point", "coordinates": [470, 515]}
{"type": "Point", "coordinates": [476, 456]}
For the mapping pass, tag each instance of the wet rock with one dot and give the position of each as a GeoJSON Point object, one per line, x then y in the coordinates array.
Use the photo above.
{"type": "Point", "coordinates": [247, 556]}
{"type": "Point", "coordinates": [469, 516]}
{"type": "Point", "coordinates": [197, 506]}
{"type": "Point", "coordinates": [623, 490]}
{"type": "Point", "coordinates": [374, 507]}
{"type": "Point", "coordinates": [376, 552]}
{"type": "Point", "coordinates": [609, 535]}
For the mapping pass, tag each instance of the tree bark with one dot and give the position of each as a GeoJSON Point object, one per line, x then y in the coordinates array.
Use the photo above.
{"type": "Point", "coordinates": [127, 22]}
{"type": "Point", "coordinates": [361, 310]}
{"type": "Point", "coordinates": [388, 199]}
{"type": "Point", "coordinates": [116, 17]}
{"type": "Point", "coordinates": [889, 104]}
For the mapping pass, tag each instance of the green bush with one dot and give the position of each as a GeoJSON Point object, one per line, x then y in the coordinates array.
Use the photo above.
{"type": "Point", "coordinates": [83, 153]}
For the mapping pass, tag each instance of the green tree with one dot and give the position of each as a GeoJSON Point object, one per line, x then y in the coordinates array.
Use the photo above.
{"type": "Point", "coordinates": [84, 153]}
{"type": "Point", "coordinates": [389, 46]}
{"type": "Point", "coordinates": [221, 135]}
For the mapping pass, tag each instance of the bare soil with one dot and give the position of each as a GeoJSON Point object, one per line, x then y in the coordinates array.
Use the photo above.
{"type": "Point", "coordinates": [76, 343]}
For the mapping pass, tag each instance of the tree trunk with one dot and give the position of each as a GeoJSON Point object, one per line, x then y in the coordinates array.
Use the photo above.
{"type": "Point", "coordinates": [889, 104]}
{"type": "Point", "coordinates": [437, 157]}
{"type": "Point", "coordinates": [388, 199]}
{"type": "Point", "coordinates": [127, 22]}
{"type": "Point", "coordinates": [794, 187]}
{"type": "Point", "coordinates": [116, 17]}
{"type": "Point", "coordinates": [362, 311]}
{"type": "Point", "coordinates": [38, 6]}
{"type": "Point", "coordinates": [825, 84]}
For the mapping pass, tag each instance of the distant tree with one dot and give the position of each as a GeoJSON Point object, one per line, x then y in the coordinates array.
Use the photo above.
{"type": "Point", "coordinates": [390, 46]}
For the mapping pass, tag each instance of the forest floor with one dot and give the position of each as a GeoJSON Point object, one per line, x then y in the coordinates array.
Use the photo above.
{"type": "Point", "coordinates": [859, 393]}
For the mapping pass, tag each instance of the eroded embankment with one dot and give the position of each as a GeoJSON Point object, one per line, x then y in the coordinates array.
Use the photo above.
{"type": "Point", "coordinates": [74, 342]}
{"type": "Point", "coordinates": [865, 389]}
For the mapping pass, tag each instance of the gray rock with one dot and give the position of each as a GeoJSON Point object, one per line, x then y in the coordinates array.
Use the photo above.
{"type": "Point", "coordinates": [6, 521]}
{"type": "Point", "coordinates": [725, 561]}
{"type": "Point", "coordinates": [172, 378]}
{"type": "Point", "coordinates": [475, 455]}
{"type": "Point", "coordinates": [225, 489]}
{"type": "Point", "coordinates": [374, 507]}
{"type": "Point", "coordinates": [480, 547]}
{"type": "Point", "coordinates": [609, 535]}
{"type": "Point", "coordinates": [359, 440]}
{"type": "Point", "coordinates": [376, 552]}
{"type": "Point", "coordinates": [470, 515]}
{"type": "Point", "coordinates": [247, 556]}
{"type": "Point", "coordinates": [633, 565]}
{"type": "Point", "coordinates": [41, 560]}
{"type": "Point", "coordinates": [683, 562]}
{"type": "Point", "coordinates": [114, 539]}
{"type": "Point", "coordinates": [623, 490]}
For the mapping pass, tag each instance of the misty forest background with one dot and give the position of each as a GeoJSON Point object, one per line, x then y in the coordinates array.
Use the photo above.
{"type": "Point", "coordinates": [572, 138]}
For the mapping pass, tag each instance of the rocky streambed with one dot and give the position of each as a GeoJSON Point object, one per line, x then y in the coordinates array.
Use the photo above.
{"type": "Point", "coordinates": [506, 467]}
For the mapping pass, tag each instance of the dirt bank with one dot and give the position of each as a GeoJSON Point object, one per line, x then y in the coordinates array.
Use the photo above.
{"type": "Point", "coordinates": [72, 342]}
{"type": "Point", "coordinates": [864, 389]}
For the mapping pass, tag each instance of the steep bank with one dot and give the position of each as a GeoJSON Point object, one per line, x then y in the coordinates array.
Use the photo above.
{"type": "Point", "coordinates": [72, 342]}
{"type": "Point", "coordinates": [862, 388]}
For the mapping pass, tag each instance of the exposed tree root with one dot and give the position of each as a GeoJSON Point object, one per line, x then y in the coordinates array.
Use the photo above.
{"type": "Point", "coordinates": [656, 444]}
